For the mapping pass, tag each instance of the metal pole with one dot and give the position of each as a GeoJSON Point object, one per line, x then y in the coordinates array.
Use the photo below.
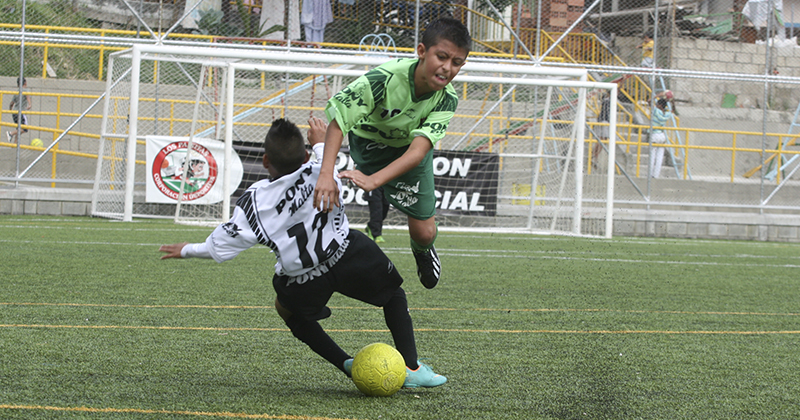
{"type": "Point", "coordinates": [416, 24]}
{"type": "Point", "coordinates": [519, 24]}
{"type": "Point", "coordinates": [138, 22]}
{"type": "Point", "coordinates": [157, 82]}
{"type": "Point", "coordinates": [538, 29]}
{"type": "Point", "coordinates": [103, 128]}
{"type": "Point", "coordinates": [19, 91]}
{"type": "Point", "coordinates": [767, 58]}
{"type": "Point", "coordinates": [469, 15]}
{"type": "Point", "coordinates": [600, 19]}
{"type": "Point", "coordinates": [130, 155]}
{"type": "Point", "coordinates": [228, 155]}
{"type": "Point", "coordinates": [612, 162]}
{"type": "Point", "coordinates": [539, 153]}
{"type": "Point", "coordinates": [577, 209]}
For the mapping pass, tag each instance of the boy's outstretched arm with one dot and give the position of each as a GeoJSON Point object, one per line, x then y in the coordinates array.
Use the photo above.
{"type": "Point", "coordinates": [417, 150]}
{"type": "Point", "coordinates": [326, 193]}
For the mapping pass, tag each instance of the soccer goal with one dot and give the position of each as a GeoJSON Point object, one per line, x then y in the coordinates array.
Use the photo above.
{"type": "Point", "coordinates": [517, 156]}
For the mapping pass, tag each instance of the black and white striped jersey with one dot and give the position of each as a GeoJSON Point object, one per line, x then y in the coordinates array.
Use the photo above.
{"type": "Point", "coordinates": [281, 215]}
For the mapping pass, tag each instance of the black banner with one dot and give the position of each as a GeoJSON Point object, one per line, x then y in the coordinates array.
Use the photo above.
{"type": "Point", "coordinates": [466, 182]}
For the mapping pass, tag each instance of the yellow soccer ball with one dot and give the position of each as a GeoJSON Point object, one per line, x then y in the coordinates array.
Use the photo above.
{"type": "Point", "coordinates": [37, 143]}
{"type": "Point", "coordinates": [379, 370]}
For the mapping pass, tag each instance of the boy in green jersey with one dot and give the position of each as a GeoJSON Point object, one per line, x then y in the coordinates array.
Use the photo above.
{"type": "Point", "coordinates": [395, 114]}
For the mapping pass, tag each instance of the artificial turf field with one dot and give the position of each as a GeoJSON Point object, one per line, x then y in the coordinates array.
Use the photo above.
{"type": "Point", "coordinates": [94, 325]}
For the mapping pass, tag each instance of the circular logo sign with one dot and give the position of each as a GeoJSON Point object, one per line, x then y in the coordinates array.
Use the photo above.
{"type": "Point", "coordinates": [168, 171]}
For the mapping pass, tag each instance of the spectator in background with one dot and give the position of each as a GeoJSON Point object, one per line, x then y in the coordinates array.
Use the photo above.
{"type": "Point", "coordinates": [17, 104]}
{"type": "Point", "coordinates": [659, 119]}
{"type": "Point", "coordinates": [647, 50]}
{"type": "Point", "coordinates": [316, 14]}
{"type": "Point", "coordinates": [602, 131]}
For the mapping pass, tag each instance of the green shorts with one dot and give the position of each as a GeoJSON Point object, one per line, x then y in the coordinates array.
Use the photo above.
{"type": "Point", "coordinates": [413, 192]}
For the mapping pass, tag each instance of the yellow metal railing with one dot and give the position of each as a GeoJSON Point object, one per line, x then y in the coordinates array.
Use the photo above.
{"type": "Point", "coordinates": [576, 47]}
{"type": "Point", "coordinates": [629, 137]}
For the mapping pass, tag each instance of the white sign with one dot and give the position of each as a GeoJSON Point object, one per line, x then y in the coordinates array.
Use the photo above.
{"type": "Point", "coordinates": [202, 183]}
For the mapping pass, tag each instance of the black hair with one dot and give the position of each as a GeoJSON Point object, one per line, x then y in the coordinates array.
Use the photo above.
{"type": "Point", "coordinates": [447, 28]}
{"type": "Point", "coordinates": [24, 80]}
{"type": "Point", "coordinates": [662, 103]}
{"type": "Point", "coordinates": [284, 146]}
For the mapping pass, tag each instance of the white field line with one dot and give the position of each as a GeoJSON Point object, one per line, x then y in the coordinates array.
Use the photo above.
{"type": "Point", "coordinates": [395, 231]}
{"type": "Point", "coordinates": [501, 253]}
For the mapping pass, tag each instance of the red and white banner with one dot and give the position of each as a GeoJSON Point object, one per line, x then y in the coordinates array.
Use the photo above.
{"type": "Point", "coordinates": [167, 170]}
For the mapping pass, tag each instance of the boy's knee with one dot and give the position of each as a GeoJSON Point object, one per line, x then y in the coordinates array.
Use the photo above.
{"type": "Point", "coordinates": [424, 234]}
{"type": "Point", "coordinates": [283, 312]}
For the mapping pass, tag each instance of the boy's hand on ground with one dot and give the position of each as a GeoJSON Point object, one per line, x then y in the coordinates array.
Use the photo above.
{"type": "Point", "coordinates": [316, 132]}
{"type": "Point", "coordinates": [326, 194]}
{"type": "Point", "coordinates": [358, 178]}
{"type": "Point", "coordinates": [173, 251]}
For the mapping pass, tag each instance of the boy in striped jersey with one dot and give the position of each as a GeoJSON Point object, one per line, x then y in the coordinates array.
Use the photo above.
{"type": "Point", "coordinates": [317, 253]}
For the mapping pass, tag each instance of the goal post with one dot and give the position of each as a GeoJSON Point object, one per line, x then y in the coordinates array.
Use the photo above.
{"type": "Point", "coordinates": [159, 99]}
{"type": "Point", "coordinates": [517, 156]}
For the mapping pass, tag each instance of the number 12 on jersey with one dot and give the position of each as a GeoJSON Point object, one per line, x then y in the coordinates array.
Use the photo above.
{"type": "Point", "coordinates": [298, 232]}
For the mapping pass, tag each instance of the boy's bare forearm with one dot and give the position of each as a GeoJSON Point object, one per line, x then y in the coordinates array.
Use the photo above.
{"type": "Point", "coordinates": [408, 161]}
{"type": "Point", "coordinates": [333, 142]}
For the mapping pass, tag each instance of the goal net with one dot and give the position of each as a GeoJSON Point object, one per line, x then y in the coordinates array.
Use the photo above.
{"type": "Point", "coordinates": [521, 154]}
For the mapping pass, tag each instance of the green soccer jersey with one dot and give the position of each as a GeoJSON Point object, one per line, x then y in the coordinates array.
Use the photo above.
{"type": "Point", "coordinates": [381, 106]}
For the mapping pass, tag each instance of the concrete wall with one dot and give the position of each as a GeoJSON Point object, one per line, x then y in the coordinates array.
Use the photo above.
{"type": "Point", "coordinates": [733, 57]}
{"type": "Point", "coordinates": [699, 225]}
{"type": "Point", "coordinates": [45, 201]}
{"type": "Point", "coordinates": [720, 56]}
{"type": "Point", "coordinates": [115, 14]}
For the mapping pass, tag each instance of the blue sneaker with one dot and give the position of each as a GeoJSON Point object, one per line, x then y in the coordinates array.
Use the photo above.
{"type": "Point", "coordinates": [348, 366]}
{"type": "Point", "coordinates": [423, 377]}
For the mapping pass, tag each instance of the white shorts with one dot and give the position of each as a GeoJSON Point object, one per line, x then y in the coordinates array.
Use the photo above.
{"type": "Point", "coordinates": [658, 137]}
